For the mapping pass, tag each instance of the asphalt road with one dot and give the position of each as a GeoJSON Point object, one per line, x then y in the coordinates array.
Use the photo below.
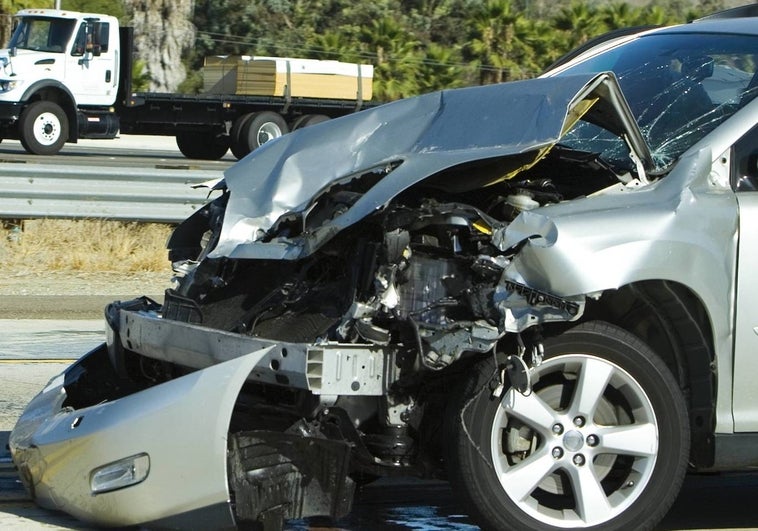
{"type": "Point", "coordinates": [124, 151]}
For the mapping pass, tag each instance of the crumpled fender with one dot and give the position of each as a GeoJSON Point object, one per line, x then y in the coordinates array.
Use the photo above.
{"type": "Point", "coordinates": [181, 424]}
{"type": "Point", "coordinates": [677, 229]}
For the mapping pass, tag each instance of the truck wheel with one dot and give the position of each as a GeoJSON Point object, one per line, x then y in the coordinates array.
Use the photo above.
{"type": "Point", "coordinates": [238, 141]}
{"type": "Point", "coordinates": [202, 146]}
{"type": "Point", "coordinates": [602, 440]}
{"type": "Point", "coordinates": [43, 128]}
{"type": "Point", "coordinates": [263, 127]}
{"type": "Point", "coordinates": [307, 120]}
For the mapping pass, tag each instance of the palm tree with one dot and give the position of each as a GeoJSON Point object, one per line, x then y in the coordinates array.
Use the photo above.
{"type": "Point", "coordinates": [620, 15]}
{"type": "Point", "coordinates": [498, 42]}
{"type": "Point", "coordinates": [396, 53]}
{"type": "Point", "coordinates": [441, 68]}
{"type": "Point", "coordinates": [336, 45]}
{"type": "Point", "coordinates": [581, 22]}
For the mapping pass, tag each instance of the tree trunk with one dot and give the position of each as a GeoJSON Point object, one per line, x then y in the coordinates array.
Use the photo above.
{"type": "Point", "coordinates": [6, 24]}
{"type": "Point", "coordinates": [162, 31]}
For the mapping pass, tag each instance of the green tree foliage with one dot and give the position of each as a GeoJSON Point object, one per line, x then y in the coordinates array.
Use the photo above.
{"type": "Point", "coordinates": [415, 46]}
{"type": "Point", "coordinates": [506, 45]}
{"type": "Point", "coordinates": [8, 8]}
{"type": "Point", "coordinates": [581, 21]}
{"type": "Point", "coordinates": [11, 6]}
{"type": "Point", "coordinates": [418, 46]}
{"type": "Point", "coordinates": [107, 7]}
{"type": "Point", "coordinates": [140, 76]}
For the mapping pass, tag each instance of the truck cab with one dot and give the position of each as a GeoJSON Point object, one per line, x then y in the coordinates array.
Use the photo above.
{"type": "Point", "coordinates": [59, 77]}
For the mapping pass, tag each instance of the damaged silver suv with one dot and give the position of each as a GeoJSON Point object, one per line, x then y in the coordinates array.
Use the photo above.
{"type": "Point", "coordinates": [531, 289]}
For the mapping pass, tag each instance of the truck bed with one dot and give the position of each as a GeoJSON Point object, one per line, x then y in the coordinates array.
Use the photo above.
{"type": "Point", "coordinates": [155, 113]}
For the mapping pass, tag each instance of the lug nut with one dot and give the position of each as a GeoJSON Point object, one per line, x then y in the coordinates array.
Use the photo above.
{"type": "Point", "coordinates": [557, 452]}
{"type": "Point", "coordinates": [557, 429]}
{"type": "Point", "coordinates": [578, 460]}
{"type": "Point", "coordinates": [578, 422]}
{"type": "Point", "coordinates": [592, 440]}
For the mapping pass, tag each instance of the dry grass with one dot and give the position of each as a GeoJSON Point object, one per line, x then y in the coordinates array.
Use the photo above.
{"type": "Point", "coordinates": [84, 246]}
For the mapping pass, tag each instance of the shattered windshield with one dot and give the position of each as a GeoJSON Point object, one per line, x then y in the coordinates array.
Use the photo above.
{"type": "Point", "coordinates": [680, 86]}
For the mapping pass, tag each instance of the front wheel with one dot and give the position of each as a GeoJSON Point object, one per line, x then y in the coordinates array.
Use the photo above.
{"type": "Point", "coordinates": [43, 128]}
{"type": "Point", "coordinates": [601, 442]}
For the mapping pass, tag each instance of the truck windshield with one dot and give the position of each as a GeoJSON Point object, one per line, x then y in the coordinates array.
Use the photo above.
{"type": "Point", "coordinates": [42, 34]}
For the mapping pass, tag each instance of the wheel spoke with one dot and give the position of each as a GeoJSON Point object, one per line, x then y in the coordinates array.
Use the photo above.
{"type": "Point", "coordinates": [530, 409]}
{"type": "Point", "coordinates": [591, 502]}
{"type": "Point", "coordinates": [521, 480]}
{"type": "Point", "coordinates": [593, 379]}
{"type": "Point", "coordinates": [636, 440]}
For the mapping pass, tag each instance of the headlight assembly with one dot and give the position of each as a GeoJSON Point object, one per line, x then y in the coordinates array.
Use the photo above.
{"type": "Point", "coordinates": [7, 85]}
{"type": "Point", "coordinates": [119, 474]}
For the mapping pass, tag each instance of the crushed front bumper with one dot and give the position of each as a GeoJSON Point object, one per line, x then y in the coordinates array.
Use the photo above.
{"type": "Point", "coordinates": [181, 425]}
{"type": "Point", "coordinates": [196, 474]}
{"type": "Point", "coordinates": [321, 368]}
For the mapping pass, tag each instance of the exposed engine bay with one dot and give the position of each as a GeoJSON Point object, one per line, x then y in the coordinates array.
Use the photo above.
{"type": "Point", "coordinates": [422, 273]}
{"type": "Point", "coordinates": [420, 279]}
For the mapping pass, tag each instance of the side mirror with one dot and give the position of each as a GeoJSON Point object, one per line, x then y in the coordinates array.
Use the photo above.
{"type": "Point", "coordinates": [86, 58]}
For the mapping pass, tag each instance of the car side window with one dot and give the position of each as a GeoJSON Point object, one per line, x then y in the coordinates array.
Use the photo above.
{"type": "Point", "coordinates": [745, 162]}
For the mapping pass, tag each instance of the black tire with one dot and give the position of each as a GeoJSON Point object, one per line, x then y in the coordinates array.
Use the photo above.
{"type": "Point", "coordinates": [43, 128]}
{"type": "Point", "coordinates": [202, 146]}
{"type": "Point", "coordinates": [263, 127]}
{"type": "Point", "coordinates": [545, 460]}
{"type": "Point", "coordinates": [308, 120]}
{"type": "Point", "coordinates": [238, 142]}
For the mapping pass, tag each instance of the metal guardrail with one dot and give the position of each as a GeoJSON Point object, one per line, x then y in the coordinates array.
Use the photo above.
{"type": "Point", "coordinates": [130, 194]}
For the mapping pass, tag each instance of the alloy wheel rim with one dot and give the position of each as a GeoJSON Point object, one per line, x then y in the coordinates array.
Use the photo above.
{"type": "Point", "coordinates": [584, 454]}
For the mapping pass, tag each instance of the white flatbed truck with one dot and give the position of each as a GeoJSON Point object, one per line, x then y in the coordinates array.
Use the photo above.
{"type": "Point", "coordinates": [67, 76]}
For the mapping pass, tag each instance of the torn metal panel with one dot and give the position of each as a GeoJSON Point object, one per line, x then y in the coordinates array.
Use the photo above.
{"type": "Point", "coordinates": [58, 446]}
{"type": "Point", "coordinates": [664, 231]}
{"type": "Point", "coordinates": [417, 137]}
{"type": "Point", "coordinates": [349, 369]}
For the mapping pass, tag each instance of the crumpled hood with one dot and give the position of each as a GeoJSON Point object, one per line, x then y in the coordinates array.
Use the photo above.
{"type": "Point", "coordinates": [425, 135]}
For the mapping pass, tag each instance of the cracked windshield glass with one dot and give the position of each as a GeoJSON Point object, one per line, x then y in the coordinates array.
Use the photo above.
{"type": "Point", "coordinates": [679, 87]}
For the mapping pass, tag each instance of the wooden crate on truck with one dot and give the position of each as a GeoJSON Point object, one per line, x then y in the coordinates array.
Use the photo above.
{"type": "Point", "coordinates": [274, 76]}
